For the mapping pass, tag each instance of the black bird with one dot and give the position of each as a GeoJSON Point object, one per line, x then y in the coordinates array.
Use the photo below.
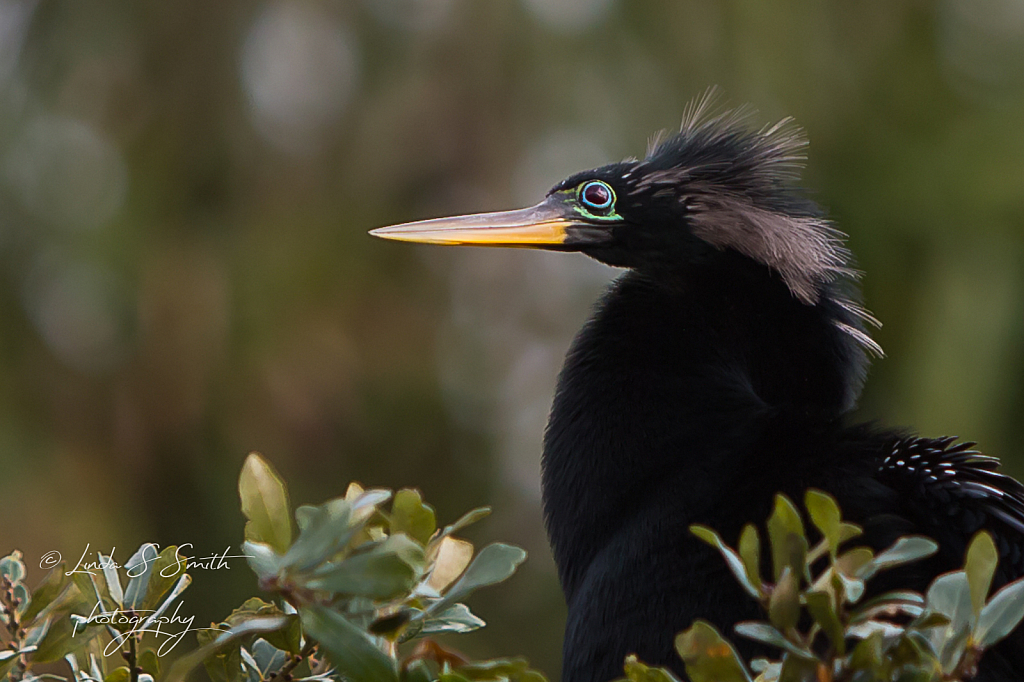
{"type": "Point", "coordinates": [719, 369]}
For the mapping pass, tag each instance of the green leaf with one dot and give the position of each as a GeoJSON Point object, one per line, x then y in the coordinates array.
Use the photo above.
{"type": "Point", "coordinates": [224, 664]}
{"type": "Point", "coordinates": [788, 541]}
{"type": "Point", "coordinates": [494, 563]}
{"type": "Point", "coordinates": [120, 674]}
{"type": "Point", "coordinates": [288, 638]}
{"type": "Point", "coordinates": [798, 669]}
{"type": "Point", "coordinates": [12, 567]}
{"type": "Point", "coordinates": [466, 519]}
{"type": "Point", "coordinates": [638, 672]}
{"type": "Point", "coordinates": [869, 653]}
{"type": "Point", "coordinates": [849, 531]}
{"type": "Point", "coordinates": [732, 559]}
{"type": "Point", "coordinates": [980, 566]}
{"type": "Point", "coordinates": [149, 662]}
{"type": "Point", "coordinates": [708, 656]}
{"type": "Point", "coordinates": [784, 604]}
{"type": "Point", "coordinates": [35, 633]}
{"type": "Point", "coordinates": [53, 589]}
{"type": "Point", "coordinates": [183, 582]}
{"type": "Point", "coordinates": [853, 588]}
{"type": "Point", "coordinates": [950, 595]}
{"type": "Point", "coordinates": [112, 580]}
{"type": "Point", "coordinates": [97, 663]}
{"type": "Point", "coordinates": [750, 553]}
{"type": "Point", "coordinates": [23, 597]}
{"type": "Point", "coordinates": [868, 628]}
{"type": "Point", "coordinates": [218, 642]}
{"type": "Point", "coordinates": [765, 633]}
{"type": "Point", "coordinates": [1001, 615]}
{"type": "Point", "coordinates": [954, 647]}
{"type": "Point", "coordinates": [303, 514]}
{"type": "Point", "coordinates": [767, 670]}
{"type": "Point", "coordinates": [355, 654]}
{"type": "Point", "coordinates": [92, 591]}
{"type": "Point", "coordinates": [251, 608]}
{"type": "Point", "coordinates": [387, 570]}
{"type": "Point", "coordinates": [499, 669]}
{"type": "Point", "coordinates": [411, 516]}
{"type": "Point", "coordinates": [822, 609]}
{"type": "Point", "coordinates": [904, 551]}
{"type": "Point", "coordinates": [826, 517]}
{"type": "Point", "coordinates": [62, 638]}
{"type": "Point", "coordinates": [72, 662]}
{"type": "Point", "coordinates": [167, 570]}
{"type": "Point", "coordinates": [262, 559]}
{"type": "Point", "coordinates": [7, 661]}
{"type": "Point", "coordinates": [265, 504]}
{"type": "Point", "coordinates": [327, 533]}
{"type": "Point", "coordinates": [930, 619]}
{"type": "Point", "coordinates": [139, 570]}
{"type": "Point", "coordinates": [457, 618]}
{"type": "Point", "coordinates": [852, 562]}
{"type": "Point", "coordinates": [269, 659]}
{"type": "Point", "coordinates": [897, 602]}
{"type": "Point", "coordinates": [366, 503]}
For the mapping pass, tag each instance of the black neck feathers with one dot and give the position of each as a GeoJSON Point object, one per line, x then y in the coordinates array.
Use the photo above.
{"type": "Point", "coordinates": [674, 375]}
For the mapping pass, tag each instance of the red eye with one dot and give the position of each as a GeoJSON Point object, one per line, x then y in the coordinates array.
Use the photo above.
{"type": "Point", "coordinates": [597, 195]}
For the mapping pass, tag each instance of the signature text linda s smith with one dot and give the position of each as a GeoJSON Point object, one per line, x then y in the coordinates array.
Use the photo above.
{"type": "Point", "coordinates": [213, 562]}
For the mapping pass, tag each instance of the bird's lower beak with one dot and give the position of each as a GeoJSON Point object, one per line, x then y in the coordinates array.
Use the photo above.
{"type": "Point", "coordinates": [551, 224]}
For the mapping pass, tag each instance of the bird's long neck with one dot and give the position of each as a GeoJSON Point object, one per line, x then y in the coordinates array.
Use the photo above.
{"type": "Point", "coordinates": [669, 382]}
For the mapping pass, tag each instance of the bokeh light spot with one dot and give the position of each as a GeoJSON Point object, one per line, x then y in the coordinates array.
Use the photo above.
{"type": "Point", "coordinates": [412, 15]}
{"type": "Point", "coordinates": [73, 306]}
{"type": "Point", "coordinates": [66, 173]}
{"type": "Point", "coordinates": [569, 16]}
{"type": "Point", "coordinates": [14, 22]}
{"type": "Point", "coordinates": [299, 70]}
{"type": "Point", "coordinates": [982, 43]}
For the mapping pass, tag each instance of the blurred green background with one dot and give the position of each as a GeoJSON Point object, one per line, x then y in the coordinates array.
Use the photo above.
{"type": "Point", "coordinates": [185, 275]}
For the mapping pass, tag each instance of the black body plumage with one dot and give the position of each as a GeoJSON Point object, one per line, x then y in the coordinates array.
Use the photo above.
{"type": "Point", "coordinates": [705, 383]}
{"type": "Point", "coordinates": [720, 369]}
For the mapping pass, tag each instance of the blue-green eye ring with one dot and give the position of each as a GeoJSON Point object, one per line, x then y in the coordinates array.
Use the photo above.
{"type": "Point", "coordinates": [597, 195]}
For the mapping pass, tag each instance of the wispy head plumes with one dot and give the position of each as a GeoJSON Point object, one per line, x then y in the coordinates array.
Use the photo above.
{"type": "Point", "coordinates": [737, 188]}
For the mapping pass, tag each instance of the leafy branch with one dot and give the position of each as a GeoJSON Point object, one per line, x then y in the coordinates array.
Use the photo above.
{"type": "Point", "coordinates": [359, 578]}
{"type": "Point", "coordinates": [357, 586]}
{"type": "Point", "coordinates": [821, 623]}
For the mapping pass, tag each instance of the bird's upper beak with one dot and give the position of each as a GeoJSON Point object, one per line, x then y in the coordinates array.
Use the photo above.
{"type": "Point", "coordinates": [551, 224]}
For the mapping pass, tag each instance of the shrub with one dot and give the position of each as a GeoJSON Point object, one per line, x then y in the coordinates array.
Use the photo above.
{"type": "Point", "coordinates": [356, 586]}
{"type": "Point", "coordinates": [821, 624]}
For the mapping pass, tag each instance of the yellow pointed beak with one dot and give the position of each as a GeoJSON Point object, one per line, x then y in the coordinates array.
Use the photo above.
{"type": "Point", "coordinates": [548, 225]}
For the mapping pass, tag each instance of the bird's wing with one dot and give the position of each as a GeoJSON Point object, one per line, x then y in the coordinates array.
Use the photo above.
{"type": "Point", "coordinates": [949, 491]}
{"type": "Point", "coordinates": [955, 491]}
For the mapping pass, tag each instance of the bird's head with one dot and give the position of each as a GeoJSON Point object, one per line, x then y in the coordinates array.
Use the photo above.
{"type": "Point", "coordinates": [715, 186]}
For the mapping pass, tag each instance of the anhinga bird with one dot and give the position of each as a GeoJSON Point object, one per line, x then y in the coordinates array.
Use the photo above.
{"type": "Point", "coordinates": [721, 368]}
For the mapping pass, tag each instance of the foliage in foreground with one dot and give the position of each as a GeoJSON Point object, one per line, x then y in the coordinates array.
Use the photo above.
{"type": "Point", "coordinates": [357, 584]}
{"type": "Point", "coordinates": [821, 624]}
